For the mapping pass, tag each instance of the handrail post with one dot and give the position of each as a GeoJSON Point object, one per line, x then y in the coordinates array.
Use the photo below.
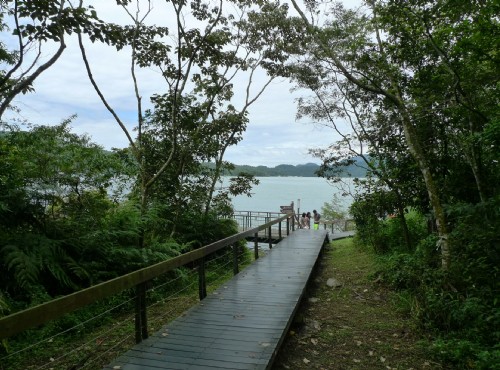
{"type": "Point", "coordinates": [235, 258]}
{"type": "Point", "coordinates": [141, 320]}
{"type": "Point", "coordinates": [144, 313]}
{"type": "Point", "coordinates": [288, 226]}
{"type": "Point", "coordinates": [256, 246]}
{"type": "Point", "coordinates": [270, 238]}
{"type": "Point", "coordinates": [202, 283]}
{"type": "Point", "coordinates": [138, 332]}
{"type": "Point", "coordinates": [279, 231]}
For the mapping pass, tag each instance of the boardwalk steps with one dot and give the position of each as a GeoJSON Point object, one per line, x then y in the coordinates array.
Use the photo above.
{"type": "Point", "coordinates": [243, 323]}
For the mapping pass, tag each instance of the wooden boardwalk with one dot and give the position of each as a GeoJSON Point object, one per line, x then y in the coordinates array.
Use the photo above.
{"type": "Point", "coordinates": [243, 323]}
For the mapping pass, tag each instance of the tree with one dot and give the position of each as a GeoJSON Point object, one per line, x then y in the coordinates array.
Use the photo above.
{"type": "Point", "coordinates": [198, 66]}
{"type": "Point", "coordinates": [363, 51]}
{"type": "Point", "coordinates": [198, 70]}
{"type": "Point", "coordinates": [382, 79]}
{"type": "Point", "coordinates": [459, 78]}
{"type": "Point", "coordinates": [334, 213]}
{"type": "Point", "coordinates": [188, 184]}
{"type": "Point", "coordinates": [36, 27]}
{"type": "Point", "coordinates": [55, 210]}
{"type": "Point", "coordinates": [372, 139]}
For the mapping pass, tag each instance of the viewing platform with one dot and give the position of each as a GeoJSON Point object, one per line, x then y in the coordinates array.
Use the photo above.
{"type": "Point", "coordinates": [250, 219]}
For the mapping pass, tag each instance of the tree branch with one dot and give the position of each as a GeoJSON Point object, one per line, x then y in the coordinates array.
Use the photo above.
{"type": "Point", "coordinates": [24, 84]}
{"type": "Point", "coordinates": [103, 99]}
{"type": "Point", "coordinates": [339, 64]}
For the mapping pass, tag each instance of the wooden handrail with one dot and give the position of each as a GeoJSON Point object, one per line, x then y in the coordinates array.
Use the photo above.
{"type": "Point", "coordinates": [34, 316]}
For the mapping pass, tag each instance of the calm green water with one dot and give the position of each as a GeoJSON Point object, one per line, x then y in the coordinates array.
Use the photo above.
{"type": "Point", "coordinates": [273, 192]}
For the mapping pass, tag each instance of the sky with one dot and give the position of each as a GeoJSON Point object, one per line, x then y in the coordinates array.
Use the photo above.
{"type": "Point", "coordinates": [273, 135]}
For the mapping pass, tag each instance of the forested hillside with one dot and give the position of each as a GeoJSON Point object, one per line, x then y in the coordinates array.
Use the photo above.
{"type": "Point", "coordinates": [357, 169]}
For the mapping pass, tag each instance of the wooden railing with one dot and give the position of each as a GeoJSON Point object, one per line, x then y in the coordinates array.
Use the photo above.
{"type": "Point", "coordinates": [32, 317]}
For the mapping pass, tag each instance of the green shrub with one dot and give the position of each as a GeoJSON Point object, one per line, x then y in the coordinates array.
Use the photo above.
{"type": "Point", "coordinates": [392, 232]}
{"type": "Point", "coordinates": [367, 217]}
{"type": "Point", "coordinates": [386, 235]}
{"type": "Point", "coordinates": [465, 354]}
{"type": "Point", "coordinates": [459, 306]}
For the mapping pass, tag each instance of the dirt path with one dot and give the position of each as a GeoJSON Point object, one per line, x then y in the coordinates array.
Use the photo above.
{"type": "Point", "coordinates": [350, 322]}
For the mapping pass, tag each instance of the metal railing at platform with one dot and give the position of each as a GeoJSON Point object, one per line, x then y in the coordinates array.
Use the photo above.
{"type": "Point", "coordinates": [250, 219]}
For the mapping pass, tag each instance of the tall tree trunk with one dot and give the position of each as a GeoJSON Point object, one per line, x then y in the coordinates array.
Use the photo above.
{"type": "Point", "coordinates": [418, 153]}
{"type": "Point", "coordinates": [474, 156]}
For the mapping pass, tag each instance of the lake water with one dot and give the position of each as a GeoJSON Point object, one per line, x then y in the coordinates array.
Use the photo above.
{"type": "Point", "coordinates": [273, 192]}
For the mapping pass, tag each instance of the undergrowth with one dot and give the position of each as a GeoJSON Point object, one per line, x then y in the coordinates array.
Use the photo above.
{"type": "Point", "coordinates": [458, 307]}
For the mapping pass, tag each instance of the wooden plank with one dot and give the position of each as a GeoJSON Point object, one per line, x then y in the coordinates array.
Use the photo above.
{"type": "Point", "coordinates": [242, 324]}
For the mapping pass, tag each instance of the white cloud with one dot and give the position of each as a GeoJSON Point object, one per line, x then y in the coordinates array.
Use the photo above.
{"type": "Point", "coordinates": [273, 136]}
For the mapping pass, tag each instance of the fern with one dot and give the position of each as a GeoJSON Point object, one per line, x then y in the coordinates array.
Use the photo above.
{"type": "Point", "coordinates": [55, 260]}
{"type": "Point", "coordinates": [169, 248]}
{"type": "Point", "coordinates": [78, 270]}
{"type": "Point", "coordinates": [37, 256]}
{"type": "Point", "coordinates": [3, 305]}
{"type": "Point", "coordinates": [26, 267]}
{"type": "Point", "coordinates": [61, 276]}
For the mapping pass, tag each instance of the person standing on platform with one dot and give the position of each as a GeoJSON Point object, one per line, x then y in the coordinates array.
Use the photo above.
{"type": "Point", "coordinates": [317, 216]}
{"type": "Point", "coordinates": [308, 219]}
{"type": "Point", "coordinates": [304, 222]}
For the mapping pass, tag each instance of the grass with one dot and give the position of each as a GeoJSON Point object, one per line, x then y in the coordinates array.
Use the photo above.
{"type": "Point", "coordinates": [354, 326]}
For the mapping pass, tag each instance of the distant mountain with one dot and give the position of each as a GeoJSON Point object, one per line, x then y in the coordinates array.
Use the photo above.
{"type": "Point", "coordinates": [300, 170]}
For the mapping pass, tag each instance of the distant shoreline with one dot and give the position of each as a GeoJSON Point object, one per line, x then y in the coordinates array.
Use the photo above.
{"type": "Point", "coordinates": [287, 170]}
